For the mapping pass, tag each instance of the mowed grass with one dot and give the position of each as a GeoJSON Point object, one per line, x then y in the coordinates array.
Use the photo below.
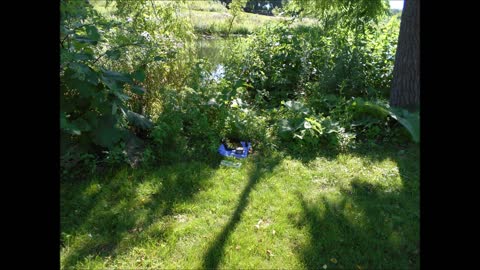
{"type": "Point", "coordinates": [357, 210]}
{"type": "Point", "coordinates": [218, 23]}
{"type": "Point", "coordinates": [212, 18]}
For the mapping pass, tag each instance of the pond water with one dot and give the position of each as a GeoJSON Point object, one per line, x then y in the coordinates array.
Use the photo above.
{"type": "Point", "coordinates": [212, 49]}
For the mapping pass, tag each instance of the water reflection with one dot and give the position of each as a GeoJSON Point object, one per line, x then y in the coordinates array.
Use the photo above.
{"type": "Point", "coordinates": [214, 50]}
{"type": "Point", "coordinates": [218, 73]}
{"type": "Point", "coordinates": [211, 49]}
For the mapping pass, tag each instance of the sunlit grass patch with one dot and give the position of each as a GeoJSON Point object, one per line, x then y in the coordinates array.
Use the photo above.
{"type": "Point", "coordinates": [272, 212]}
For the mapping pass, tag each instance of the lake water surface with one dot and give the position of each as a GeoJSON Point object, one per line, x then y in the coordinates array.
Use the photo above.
{"type": "Point", "coordinates": [214, 49]}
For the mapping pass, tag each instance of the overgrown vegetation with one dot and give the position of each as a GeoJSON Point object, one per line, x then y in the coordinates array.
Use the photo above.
{"type": "Point", "coordinates": [142, 116]}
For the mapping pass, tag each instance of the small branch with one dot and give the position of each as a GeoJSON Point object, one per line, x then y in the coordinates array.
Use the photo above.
{"type": "Point", "coordinates": [155, 10]}
{"type": "Point", "coordinates": [63, 40]}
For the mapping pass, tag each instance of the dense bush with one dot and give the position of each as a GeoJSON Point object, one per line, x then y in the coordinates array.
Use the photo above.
{"type": "Point", "coordinates": [283, 61]}
{"type": "Point", "coordinates": [334, 72]}
{"type": "Point", "coordinates": [132, 90]}
{"type": "Point", "coordinates": [111, 68]}
{"type": "Point", "coordinates": [309, 131]}
{"type": "Point", "coordinates": [194, 121]}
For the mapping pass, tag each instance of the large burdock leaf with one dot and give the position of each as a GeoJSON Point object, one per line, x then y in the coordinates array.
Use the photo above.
{"type": "Point", "coordinates": [296, 106]}
{"type": "Point", "coordinates": [117, 76]}
{"type": "Point", "coordinates": [138, 90]}
{"type": "Point", "coordinates": [81, 124]}
{"type": "Point", "coordinates": [411, 121]}
{"type": "Point", "coordinates": [284, 126]}
{"type": "Point", "coordinates": [106, 134]}
{"type": "Point", "coordinates": [67, 126]}
{"type": "Point", "coordinates": [139, 75]}
{"type": "Point", "coordinates": [113, 54]}
{"type": "Point", "coordinates": [138, 120]}
{"type": "Point", "coordinates": [84, 89]}
{"type": "Point", "coordinates": [92, 33]}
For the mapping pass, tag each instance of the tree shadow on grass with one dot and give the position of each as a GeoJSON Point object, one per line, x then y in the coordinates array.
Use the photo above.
{"type": "Point", "coordinates": [367, 226]}
{"type": "Point", "coordinates": [216, 251]}
{"type": "Point", "coordinates": [111, 211]}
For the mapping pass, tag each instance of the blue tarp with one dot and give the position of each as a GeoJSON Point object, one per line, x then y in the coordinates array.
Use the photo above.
{"type": "Point", "coordinates": [231, 152]}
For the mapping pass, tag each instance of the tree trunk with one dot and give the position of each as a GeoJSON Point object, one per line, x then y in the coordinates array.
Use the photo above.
{"type": "Point", "coordinates": [405, 90]}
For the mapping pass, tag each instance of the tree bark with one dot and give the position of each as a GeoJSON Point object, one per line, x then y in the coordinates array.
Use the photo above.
{"type": "Point", "coordinates": [405, 91]}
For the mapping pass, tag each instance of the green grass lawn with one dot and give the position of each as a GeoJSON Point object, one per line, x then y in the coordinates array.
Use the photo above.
{"type": "Point", "coordinates": [357, 210]}
{"type": "Point", "coordinates": [212, 18]}
{"type": "Point", "coordinates": [217, 23]}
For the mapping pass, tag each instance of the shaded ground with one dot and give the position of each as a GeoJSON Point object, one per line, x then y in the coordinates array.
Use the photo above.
{"type": "Point", "coordinates": [347, 211]}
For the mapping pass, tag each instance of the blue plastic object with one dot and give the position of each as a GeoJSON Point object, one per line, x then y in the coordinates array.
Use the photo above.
{"type": "Point", "coordinates": [232, 152]}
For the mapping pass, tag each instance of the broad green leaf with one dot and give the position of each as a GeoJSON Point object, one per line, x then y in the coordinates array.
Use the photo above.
{"type": "Point", "coordinates": [113, 54]}
{"type": "Point", "coordinates": [106, 134]}
{"type": "Point", "coordinates": [138, 90]}
{"type": "Point", "coordinates": [92, 33]}
{"type": "Point", "coordinates": [63, 120]}
{"type": "Point", "coordinates": [121, 96]}
{"type": "Point", "coordinates": [284, 126]}
{"type": "Point", "coordinates": [91, 118]}
{"type": "Point", "coordinates": [383, 111]}
{"type": "Point", "coordinates": [117, 76]}
{"type": "Point", "coordinates": [68, 127]}
{"type": "Point", "coordinates": [298, 136]}
{"type": "Point", "coordinates": [84, 39]}
{"type": "Point", "coordinates": [112, 84]}
{"type": "Point", "coordinates": [124, 110]}
{"type": "Point", "coordinates": [78, 70]}
{"type": "Point", "coordinates": [315, 125]}
{"type": "Point", "coordinates": [92, 77]}
{"type": "Point", "coordinates": [84, 89]}
{"type": "Point", "coordinates": [139, 75]}
{"type": "Point", "coordinates": [82, 56]}
{"type": "Point", "coordinates": [411, 121]}
{"type": "Point", "coordinates": [114, 108]}
{"type": "Point", "coordinates": [74, 130]}
{"type": "Point", "coordinates": [81, 124]}
{"type": "Point", "coordinates": [297, 106]}
{"type": "Point", "coordinates": [139, 120]}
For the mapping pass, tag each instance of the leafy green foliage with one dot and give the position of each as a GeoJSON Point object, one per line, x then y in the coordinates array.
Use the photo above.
{"type": "Point", "coordinates": [105, 69]}
{"type": "Point", "coordinates": [132, 72]}
{"type": "Point", "coordinates": [334, 75]}
{"type": "Point", "coordinates": [410, 120]}
{"type": "Point", "coordinates": [133, 92]}
{"type": "Point", "coordinates": [373, 118]}
{"type": "Point", "coordinates": [311, 131]}
{"type": "Point", "coordinates": [235, 10]}
{"type": "Point", "coordinates": [353, 14]}
{"type": "Point", "coordinates": [284, 62]}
